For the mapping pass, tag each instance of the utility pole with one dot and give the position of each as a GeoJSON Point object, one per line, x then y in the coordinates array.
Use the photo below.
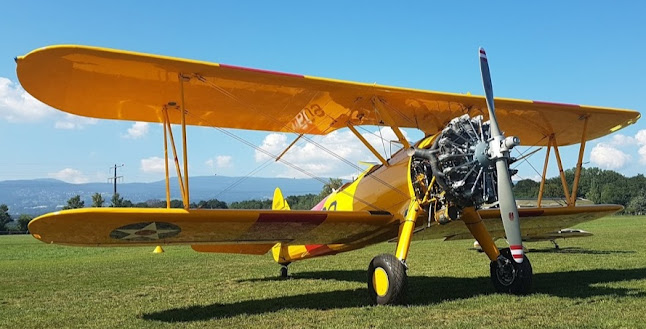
{"type": "Point", "coordinates": [115, 177]}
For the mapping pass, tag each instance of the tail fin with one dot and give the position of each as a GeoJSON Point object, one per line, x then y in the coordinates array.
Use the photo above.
{"type": "Point", "coordinates": [279, 202]}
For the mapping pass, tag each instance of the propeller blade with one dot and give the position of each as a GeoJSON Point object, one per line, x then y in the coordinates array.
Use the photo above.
{"type": "Point", "coordinates": [499, 148]}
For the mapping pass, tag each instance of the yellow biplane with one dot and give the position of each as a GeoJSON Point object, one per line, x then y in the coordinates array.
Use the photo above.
{"type": "Point", "coordinates": [437, 187]}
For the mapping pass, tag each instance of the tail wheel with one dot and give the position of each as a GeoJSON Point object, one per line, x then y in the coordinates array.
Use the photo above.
{"type": "Point", "coordinates": [387, 280]}
{"type": "Point", "coordinates": [511, 277]}
{"type": "Point", "coordinates": [284, 271]}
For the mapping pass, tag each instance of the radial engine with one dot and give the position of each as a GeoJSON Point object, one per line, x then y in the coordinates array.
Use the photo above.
{"type": "Point", "coordinates": [456, 171]}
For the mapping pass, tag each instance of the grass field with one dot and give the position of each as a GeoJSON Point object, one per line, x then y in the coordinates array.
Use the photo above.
{"type": "Point", "coordinates": [595, 282]}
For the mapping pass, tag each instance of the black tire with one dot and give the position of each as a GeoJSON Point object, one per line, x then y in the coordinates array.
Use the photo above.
{"type": "Point", "coordinates": [396, 285]}
{"type": "Point", "coordinates": [517, 281]}
{"type": "Point", "coordinates": [284, 272]}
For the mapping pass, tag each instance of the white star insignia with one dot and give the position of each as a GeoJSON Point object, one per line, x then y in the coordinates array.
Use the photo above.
{"type": "Point", "coordinates": [149, 232]}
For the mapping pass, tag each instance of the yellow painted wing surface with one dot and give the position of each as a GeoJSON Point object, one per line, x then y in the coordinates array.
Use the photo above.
{"type": "Point", "coordinates": [534, 222]}
{"type": "Point", "coordinates": [113, 84]}
{"type": "Point", "coordinates": [143, 226]}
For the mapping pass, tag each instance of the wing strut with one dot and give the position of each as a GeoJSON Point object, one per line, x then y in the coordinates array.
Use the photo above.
{"type": "Point", "coordinates": [167, 127]}
{"type": "Point", "coordinates": [544, 177]}
{"type": "Point", "coordinates": [168, 132]}
{"type": "Point", "coordinates": [288, 147]}
{"type": "Point", "coordinates": [577, 174]}
{"type": "Point", "coordinates": [183, 78]}
{"type": "Point", "coordinates": [570, 198]}
{"type": "Point", "coordinates": [365, 142]}
{"type": "Point", "coordinates": [390, 122]}
{"type": "Point", "coordinates": [165, 118]}
{"type": "Point", "coordinates": [558, 161]}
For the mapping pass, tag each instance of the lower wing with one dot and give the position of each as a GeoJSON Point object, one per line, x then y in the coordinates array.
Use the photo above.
{"type": "Point", "coordinates": [144, 226]}
{"type": "Point", "coordinates": [535, 223]}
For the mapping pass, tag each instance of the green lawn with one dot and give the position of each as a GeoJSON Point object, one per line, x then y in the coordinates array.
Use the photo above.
{"type": "Point", "coordinates": [595, 282]}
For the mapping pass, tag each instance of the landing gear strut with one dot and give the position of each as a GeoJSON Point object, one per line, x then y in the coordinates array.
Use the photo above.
{"type": "Point", "coordinates": [511, 277]}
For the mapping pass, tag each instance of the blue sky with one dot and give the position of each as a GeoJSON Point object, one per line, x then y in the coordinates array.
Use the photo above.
{"type": "Point", "coordinates": [574, 52]}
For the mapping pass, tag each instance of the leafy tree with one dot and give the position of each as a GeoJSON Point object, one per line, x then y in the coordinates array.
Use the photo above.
{"type": "Point", "coordinates": [526, 188]}
{"type": "Point", "coordinates": [23, 221]}
{"type": "Point", "coordinates": [74, 203]}
{"type": "Point", "coordinates": [117, 201]}
{"type": "Point", "coordinates": [97, 200]}
{"type": "Point", "coordinates": [303, 202]}
{"type": "Point", "coordinates": [5, 217]}
{"type": "Point", "coordinates": [175, 203]}
{"type": "Point", "coordinates": [637, 205]}
{"type": "Point", "coordinates": [251, 204]}
{"type": "Point", "coordinates": [212, 204]}
{"type": "Point", "coordinates": [333, 185]}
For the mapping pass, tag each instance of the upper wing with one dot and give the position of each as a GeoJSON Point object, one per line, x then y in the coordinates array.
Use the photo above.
{"type": "Point", "coordinates": [534, 222]}
{"type": "Point", "coordinates": [112, 84]}
{"type": "Point", "coordinates": [144, 226]}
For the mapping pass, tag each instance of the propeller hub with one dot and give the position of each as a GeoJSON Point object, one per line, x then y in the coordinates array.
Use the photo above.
{"type": "Point", "coordinates": [481, 155]}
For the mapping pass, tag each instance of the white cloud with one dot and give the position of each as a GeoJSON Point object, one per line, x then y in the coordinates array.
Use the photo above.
{"type": "Point", "coordinates": [640, 137]}
{"type": "Point", "coordinates": [153, 165]}
{"type": "Point", "coordinates": [312, 157]}
{"type": "Point", "coordinates": [220, 161]}
{"type": "Point", "coordinates": [623, 140]}
{"type": "Point", "coordinates": [138, 130]}
{"type": "Point", "coordinates": [16, 105]}
{"type": "Point", "coordinates": [71, 121]}
{"type": "Point", "coordinates": [70, 175]}
{"type": "Point", "coordinates": [608, 157]}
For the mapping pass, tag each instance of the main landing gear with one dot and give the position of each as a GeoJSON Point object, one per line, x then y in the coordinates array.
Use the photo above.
{"type": "Point", "coordinates": [511, 277]}
{"type": "Point", "coordinates": [387, 280]}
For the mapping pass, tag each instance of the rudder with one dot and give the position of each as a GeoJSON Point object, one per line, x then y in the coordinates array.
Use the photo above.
{"type": "Point", "coordinates": [279, 202]}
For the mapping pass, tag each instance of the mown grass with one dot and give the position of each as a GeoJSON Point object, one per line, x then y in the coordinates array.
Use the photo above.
{"type": "Point", "coordinates": [595, 282]}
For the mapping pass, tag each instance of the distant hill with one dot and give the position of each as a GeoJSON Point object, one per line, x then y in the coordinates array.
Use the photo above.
{"type": "Point", "coordinates": [39, 196]}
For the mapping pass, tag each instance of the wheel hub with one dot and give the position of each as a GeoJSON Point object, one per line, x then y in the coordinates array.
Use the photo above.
{"type": "Point", "coordinates": [380, 281]}
{"type": "Point", "coordinates": [506, 272]}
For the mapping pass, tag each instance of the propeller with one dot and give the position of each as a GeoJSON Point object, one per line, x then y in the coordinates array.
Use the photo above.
{"type": "Point", "coordinates": [498, 151]}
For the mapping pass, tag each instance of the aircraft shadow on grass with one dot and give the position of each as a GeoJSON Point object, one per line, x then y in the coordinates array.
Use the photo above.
{"type": "Point", "coordinates": [423, 290]}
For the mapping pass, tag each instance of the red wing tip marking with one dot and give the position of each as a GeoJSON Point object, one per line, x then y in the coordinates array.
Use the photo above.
{"type": "Point", "coordinates": [516, 247]}
{"type": "Point", "coordinates": [518, 256]}
{"type": "Point", "coordinates": [261, 71]}
{"type": "Point", "coordinates": [483, 54]}
{"type": "Point", "coordinates": [557, 104]}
